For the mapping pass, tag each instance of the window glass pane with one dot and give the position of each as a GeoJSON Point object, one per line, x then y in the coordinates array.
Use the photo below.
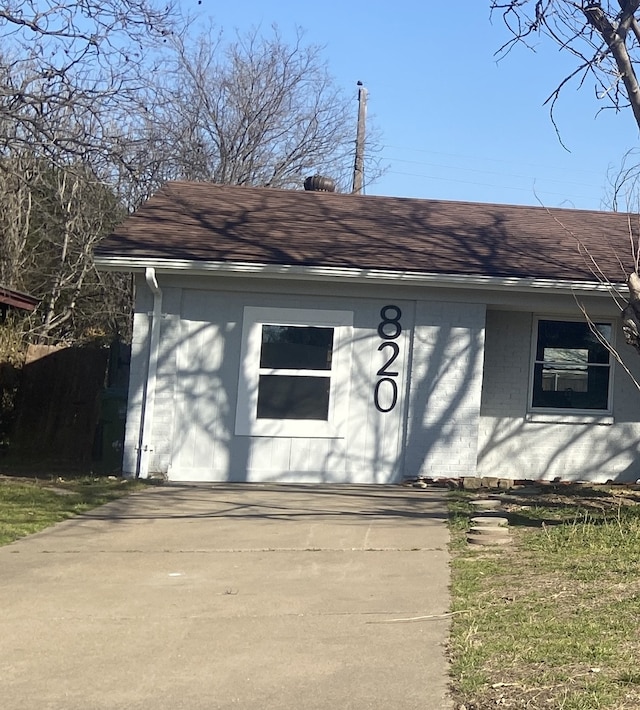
{"type": "Point", "coordinates": [572, 336]}
{"type": "Point", "coordinates": [290, 397]}
{"type": "Point", "coordinates": [571, 389]}
{"type": "Point", "coordinates": [567, 357]}
{"type": "Point", "coordinates": [572, 368]}
{"type": "Point", "coordinates": [559, 379]}
{"type": "Point", "coordinates": [290, 347]}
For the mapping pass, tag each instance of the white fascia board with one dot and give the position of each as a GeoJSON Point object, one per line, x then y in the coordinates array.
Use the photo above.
{"type": "Point", "coordinates": [370, 276]}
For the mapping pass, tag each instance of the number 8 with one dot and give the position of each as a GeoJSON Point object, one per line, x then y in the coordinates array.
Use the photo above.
{"type": "Point", "coordinates": [394, 322]}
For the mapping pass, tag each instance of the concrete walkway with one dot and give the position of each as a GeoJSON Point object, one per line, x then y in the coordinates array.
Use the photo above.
{"type": "Point", "coordinates": [246, 596]}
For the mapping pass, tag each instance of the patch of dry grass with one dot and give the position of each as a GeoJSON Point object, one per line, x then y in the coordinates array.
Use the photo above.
{"type": "Point", "coordinates": [554, 620]}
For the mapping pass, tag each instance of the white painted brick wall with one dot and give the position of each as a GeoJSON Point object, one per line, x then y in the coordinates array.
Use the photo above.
{"type": "Point", "coordinates": [444, 389]}
{"type": "Point", "coordinates": [137, 376]}
{"type": "Point", "coordinates": [506, 363]}
{"type": "Point", "coordinates": [164, 416]}
{"type": "Point", "coordinates": [511, 447]}
{"type": "Point", "coordinates": [455, 418]}
{"type": "Point", "coordinates": [163, 420]}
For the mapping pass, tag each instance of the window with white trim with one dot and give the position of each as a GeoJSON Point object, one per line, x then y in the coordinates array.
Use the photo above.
{"type": "Point", "coordinates": [294, 372]}
{"type": "Point", "coordinates": [572, 366]}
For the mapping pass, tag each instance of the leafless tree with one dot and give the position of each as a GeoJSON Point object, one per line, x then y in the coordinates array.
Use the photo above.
{"type": "Point", "coordinates": [68, 69]}
{"type": "Point", "coordinates": [103, 101]}
{"type": "Point", "coordinates": [16, 209]}
{"type": "Point", "coordinates": [256, 110]}
{"type": "Point", "coordinates": [603, 37]}
{"type": "Point", "coordinates": [50, 220]}
{"type": "Point", "coordinates": [71, 76]}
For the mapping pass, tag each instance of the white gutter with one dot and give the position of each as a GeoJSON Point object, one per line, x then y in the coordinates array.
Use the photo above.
{"type": "Point", "coordinates": [375, 276]}
{"type": "Point", "coordinates": [145, 446]}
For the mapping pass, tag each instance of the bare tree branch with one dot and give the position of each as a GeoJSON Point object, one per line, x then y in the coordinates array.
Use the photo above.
{"type": "Point", "coordinates": [254, 111]}
{"type": "Point", "coordinates": [102, 101]}
{"type": "Point", "coordinates": [603, 36]}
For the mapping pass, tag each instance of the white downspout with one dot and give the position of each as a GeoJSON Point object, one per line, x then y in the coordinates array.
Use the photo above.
{"type": "Point", "coordinates": [149, 395]}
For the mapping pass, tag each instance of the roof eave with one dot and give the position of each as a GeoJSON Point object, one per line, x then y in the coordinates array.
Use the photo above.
{"type": "Point", "coordinates": [331, 273]}
{"type": "Point", "coordinates": [17, 299]}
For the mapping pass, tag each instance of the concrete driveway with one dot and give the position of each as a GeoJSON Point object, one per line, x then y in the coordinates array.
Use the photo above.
{"type": "Point", "coordinates": [255, 596]}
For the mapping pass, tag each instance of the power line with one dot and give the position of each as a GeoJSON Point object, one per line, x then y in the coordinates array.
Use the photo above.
{"type": "Point", "coordinates": [530, 190]}
{"type": "Point", "coordinates": [486, 172]}
{"type": "Point", "coordinates": [468, 157]}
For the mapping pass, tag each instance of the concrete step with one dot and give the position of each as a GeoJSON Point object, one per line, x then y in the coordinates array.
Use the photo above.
{"type": "Point", "coordinates": [490, 521]}
{"type": "Point", "coordinates": [498, 531]}
{"type": "Point", "coordinates": [486, 504]}
{"type": "Point", "coordinates": [475, 538]}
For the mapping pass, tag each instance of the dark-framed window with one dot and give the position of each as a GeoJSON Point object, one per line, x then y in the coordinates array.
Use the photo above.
{"type": "Point", "coordinates": [572, 366]}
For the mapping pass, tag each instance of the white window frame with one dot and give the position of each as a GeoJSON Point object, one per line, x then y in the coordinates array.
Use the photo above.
{"type": "Point", "coordinates": [247, 423]}
{"type": "Point", "coordinates": [569, 415]}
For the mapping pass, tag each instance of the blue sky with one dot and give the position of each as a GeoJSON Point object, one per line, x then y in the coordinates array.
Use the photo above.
{"type": "Point", "coordinates": [455, 124]}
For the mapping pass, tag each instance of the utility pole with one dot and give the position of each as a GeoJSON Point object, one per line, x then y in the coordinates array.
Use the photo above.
{"type": "Point", "coordinates": [358, 168]}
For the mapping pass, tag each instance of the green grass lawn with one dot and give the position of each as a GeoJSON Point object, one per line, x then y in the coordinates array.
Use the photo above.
{"type": "Point", "coordinates": [27, 506]}
{"type": "Point", "coordinates": [552, 621]}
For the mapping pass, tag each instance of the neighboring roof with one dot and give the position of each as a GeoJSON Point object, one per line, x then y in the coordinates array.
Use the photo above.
{"type": "Point", "coordinates": [203, 222]}
{"type": "Point", "coordinates": [17, 299]}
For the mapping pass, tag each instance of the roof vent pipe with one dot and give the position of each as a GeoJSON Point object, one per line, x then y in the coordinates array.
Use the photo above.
{"type": "Point", "coordinates": [320, 183]}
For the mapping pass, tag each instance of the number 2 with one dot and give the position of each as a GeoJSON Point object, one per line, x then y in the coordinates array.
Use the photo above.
{"type": "Point", "coordinates": [383, 372]}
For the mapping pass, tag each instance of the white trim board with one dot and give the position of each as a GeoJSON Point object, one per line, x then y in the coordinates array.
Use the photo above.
{"type": "Point", "coordinates": [326, 273]}
{"type": "Point", "coordinates": [247, 424]}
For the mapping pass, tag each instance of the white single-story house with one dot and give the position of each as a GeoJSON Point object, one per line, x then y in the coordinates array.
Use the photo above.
{"type": "Point", "coordinates": [319, 337]}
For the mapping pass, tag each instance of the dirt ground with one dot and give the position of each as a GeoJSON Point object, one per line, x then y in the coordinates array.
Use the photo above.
{"type": "Point", "coordinates": [562, 496]}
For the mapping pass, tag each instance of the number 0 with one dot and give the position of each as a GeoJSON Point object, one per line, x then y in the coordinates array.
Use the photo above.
{"type": "Point", "coordinates": [394, 395]}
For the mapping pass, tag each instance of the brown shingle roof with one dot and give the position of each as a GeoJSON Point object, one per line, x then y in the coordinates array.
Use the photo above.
{"type": "Point", "coordinates": [206, 222]}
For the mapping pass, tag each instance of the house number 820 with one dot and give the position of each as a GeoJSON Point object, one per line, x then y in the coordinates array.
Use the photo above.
{"type": "Point", "coordinates": [385, 393]}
